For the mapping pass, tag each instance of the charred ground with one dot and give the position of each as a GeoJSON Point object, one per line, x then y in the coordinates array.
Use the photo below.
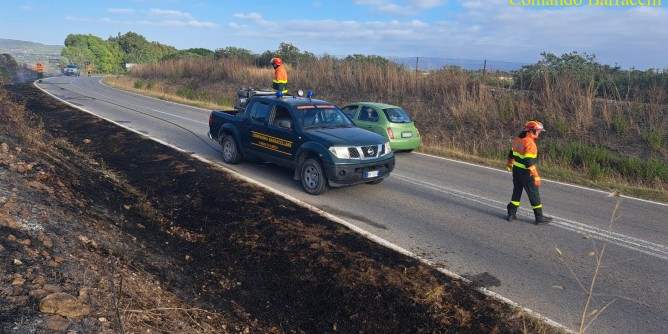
{"type": "Point", "coordinates": [150, 239]}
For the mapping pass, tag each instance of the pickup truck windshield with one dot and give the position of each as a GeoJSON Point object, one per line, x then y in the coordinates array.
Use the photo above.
{"type": "Point", "coordinates": [322, 116]}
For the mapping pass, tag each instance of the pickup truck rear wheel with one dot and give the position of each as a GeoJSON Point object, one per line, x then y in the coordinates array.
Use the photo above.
{"type": "Point", "coordinates": [313, 177]}
{"type": "Point", "coordinates": [231, 154]}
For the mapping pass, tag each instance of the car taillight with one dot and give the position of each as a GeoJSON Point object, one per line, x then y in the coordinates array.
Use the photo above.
{"type": "Point", "coordinates": [390, 133]}
{"type": "Point", "coordinates": [210, 120]}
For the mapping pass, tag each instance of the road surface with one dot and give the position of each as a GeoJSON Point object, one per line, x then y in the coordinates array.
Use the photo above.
{"type": "Point", "coordinates": [452, 214]}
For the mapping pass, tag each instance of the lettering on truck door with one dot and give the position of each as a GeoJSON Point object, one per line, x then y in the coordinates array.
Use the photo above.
{"type": "Point", "coordinates": [255, 123]}
{"type": "Point", "coordinates": [277, 138]}
{"type": "Point", "coordinates": [271, 133]}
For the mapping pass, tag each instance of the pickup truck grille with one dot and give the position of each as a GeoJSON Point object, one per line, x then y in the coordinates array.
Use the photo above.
{"type": "Point", "coordinates": [366, 152]}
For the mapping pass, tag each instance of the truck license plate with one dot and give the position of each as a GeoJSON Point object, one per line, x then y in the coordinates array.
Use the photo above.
{"type": "Point", "coordinates": [406, 134]}
{"type": "Point", "coordinates": [371, 173]}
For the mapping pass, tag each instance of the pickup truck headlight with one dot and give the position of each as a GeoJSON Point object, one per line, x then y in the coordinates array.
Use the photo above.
{"type": "Point", "coordinates": [387, 149]}
{"type": "Point", "coordinates": [340, 152]}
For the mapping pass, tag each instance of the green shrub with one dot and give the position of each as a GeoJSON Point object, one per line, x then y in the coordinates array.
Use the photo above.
{"type": "Point", "coordinates": [506, 110]}
{"type": "Point", "coordinates": [599, 162]}
{"type": "Point", "coordinates": [629, 167]}
{"type": "Point", "coordinates": [597, 172]}
{"type": "Point", "coordinates": [138, 84]}
{"type": "Point", "coordinates": [562, 127]}
{"type": "Point", "coordinates": [620, 125]}
{"type": "Point", "coordinates": [187, 93]}
{"type": "Point", "coordinates": [654, 138]}
{"type": "Point", "coordinates": [654, 170]}
{"type": "Point", "coordinates": [225, 101]}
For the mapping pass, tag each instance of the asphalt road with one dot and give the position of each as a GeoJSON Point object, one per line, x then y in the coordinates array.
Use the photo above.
{"type": "Point", "coordinates": [451, 214]}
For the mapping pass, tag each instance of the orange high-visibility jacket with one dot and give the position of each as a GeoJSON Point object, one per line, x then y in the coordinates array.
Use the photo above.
{"type": "Point", "coordinates": [524, 152]}
{"type": "Point", "coordinates": [280, 77]}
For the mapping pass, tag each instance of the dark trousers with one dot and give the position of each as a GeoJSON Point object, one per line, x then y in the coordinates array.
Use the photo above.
{"type": "Point", "coordinates": [523, 181]}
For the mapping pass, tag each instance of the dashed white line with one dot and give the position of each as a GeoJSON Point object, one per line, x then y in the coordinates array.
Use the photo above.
{"type": "Point", "coordinates": [628, 242]}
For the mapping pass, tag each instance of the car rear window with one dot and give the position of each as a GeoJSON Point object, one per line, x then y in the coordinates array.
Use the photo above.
{"type": "Point", "coordinates": [397, 115]}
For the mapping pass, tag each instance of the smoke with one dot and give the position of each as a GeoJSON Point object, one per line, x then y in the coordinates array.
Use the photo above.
{"type": "Point", "coordinates": [11, 71]}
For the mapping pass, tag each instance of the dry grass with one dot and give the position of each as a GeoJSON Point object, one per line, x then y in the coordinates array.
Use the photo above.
{"type": "Point", "coordinates": [589, 315]}
{"type": "Point", "coordinates": [458, 113]}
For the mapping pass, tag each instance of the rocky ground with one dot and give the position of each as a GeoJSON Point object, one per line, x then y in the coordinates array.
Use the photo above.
{"type": "Point", "coordinates": [104, 231]}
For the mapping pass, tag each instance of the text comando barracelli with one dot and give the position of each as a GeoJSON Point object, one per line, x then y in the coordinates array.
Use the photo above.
{"type": "Point", "coordinates": [590, 3]}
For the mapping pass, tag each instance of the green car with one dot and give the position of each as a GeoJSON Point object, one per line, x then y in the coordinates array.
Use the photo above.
{"type": "Point", "coordinates": [389, 121]}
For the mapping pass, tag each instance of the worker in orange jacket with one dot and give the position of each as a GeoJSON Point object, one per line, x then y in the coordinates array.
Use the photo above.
{"type": "Point", "coordinates": [280, 81]}
{"type": "Point", "coordinates": [40, 72]}
{"type": "Point", "coordinates": [522, 160]}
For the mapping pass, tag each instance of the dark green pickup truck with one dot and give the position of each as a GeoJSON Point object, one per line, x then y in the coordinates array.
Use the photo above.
{"type": "Point", "coordinates": [313, 137]}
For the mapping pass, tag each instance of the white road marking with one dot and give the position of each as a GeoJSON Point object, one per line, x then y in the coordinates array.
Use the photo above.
{"type": "Point", "coordinates": [140, 106]}
{"type": "Point", "coordinates": [542, 178]}
{"type": "Point", "coordinates": [622, 240]}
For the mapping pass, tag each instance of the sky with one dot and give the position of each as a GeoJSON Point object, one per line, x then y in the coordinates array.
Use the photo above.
{"type": "Point", "coordinates": [630, 36]}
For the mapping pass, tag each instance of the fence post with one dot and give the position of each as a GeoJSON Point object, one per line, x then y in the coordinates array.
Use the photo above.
{"type": "Point", "coordinates": [484, 69]}
{"type": "Point", "coordinates": [417, 61]}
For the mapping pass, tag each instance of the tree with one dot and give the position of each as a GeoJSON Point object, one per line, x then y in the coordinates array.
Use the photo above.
{"type": "Point", "coordinates": [288, 53]}
{"type": "Point", "coordinates": [137, 50]}
{"type": "Point", "coordinates": [585, 72]}
{"type": "Point", "coordinates": [189, 53]}
{"type": "Point", "coordinates": [104, 56]}
{"type": "Point", "coordinates": [234, 52]}
{"type": "Point", "coordinates": [371, 59]}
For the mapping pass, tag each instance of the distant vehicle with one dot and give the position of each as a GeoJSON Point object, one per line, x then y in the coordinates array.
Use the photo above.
{"type": "Point", "coordinates": [389, 121]}
{"type": "Point", "coordinates": [312, 137]}
{"type": "Point", "coordinates": [71, 69]}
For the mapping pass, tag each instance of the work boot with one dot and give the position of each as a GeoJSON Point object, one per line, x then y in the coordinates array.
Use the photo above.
{"type": "Point", "coordinates": [543, 220]}
{"type": "Point", "coordinates": [512, 210]}
{"type": "Point", "coordinates": [540, 219]}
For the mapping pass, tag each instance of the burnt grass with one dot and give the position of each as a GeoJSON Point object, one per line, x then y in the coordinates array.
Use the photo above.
{"type": "Point", "coordinates": [213, 254]}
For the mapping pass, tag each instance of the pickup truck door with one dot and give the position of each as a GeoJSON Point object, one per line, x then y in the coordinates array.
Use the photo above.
{"type": "Point", "coordinates": [254, 123]}
{"type": "Point", "coordinates": [271, 132]}
{"type": "Point", "coordinates": [280, 136]}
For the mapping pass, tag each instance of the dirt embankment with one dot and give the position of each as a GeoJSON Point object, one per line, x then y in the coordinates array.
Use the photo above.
{"type": "Point", "coordinates": [123, 234]}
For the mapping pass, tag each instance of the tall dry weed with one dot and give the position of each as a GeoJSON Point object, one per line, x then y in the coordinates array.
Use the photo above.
{"type": "Point", "coordinates": [453, 108]}
{"type": "Point", "coordinates": [14, 119]}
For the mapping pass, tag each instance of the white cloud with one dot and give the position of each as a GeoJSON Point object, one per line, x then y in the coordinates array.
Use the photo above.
{"type": "Point", "coordinates": [169, 13]}
{"type": "Point", "coordinates": [369, 2]}
{"type": "Point", "coordinates": [235, 26]}
{"type": "Point", "coordinates": [122, 11]}
{"type": "Point", "coordinates": [410, 7]}
{"type": "Point", "coordinates": [396, 9]}
{"type": "Point", "coordinates": [200, 24]}
{"type": "Point", "coordinates": [424, 4]}
{"type": "Point", "coordinates": [249, 16]}
{"type": "Point", "coordinates": [490, 30]}
{"type": "Point", "coordinates": [474, 4]}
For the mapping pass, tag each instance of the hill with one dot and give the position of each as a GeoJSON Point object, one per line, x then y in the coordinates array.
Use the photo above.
{"type": "Point", "coordinates": [30, 53]}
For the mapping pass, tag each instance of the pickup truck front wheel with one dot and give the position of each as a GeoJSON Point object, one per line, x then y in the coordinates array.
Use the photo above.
{"type": "Point", "coordinates": [231, 154]}
{"type": "Point", "coordinates": [313, 177]}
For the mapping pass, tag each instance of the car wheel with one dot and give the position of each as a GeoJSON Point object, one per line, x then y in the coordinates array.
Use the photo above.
{"type": "Point", "coordinates": [231, 154]}
{"type": "Point", "coordinates": [313, 177]}
{"type": "Point", "coordinates": [376, 181]}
